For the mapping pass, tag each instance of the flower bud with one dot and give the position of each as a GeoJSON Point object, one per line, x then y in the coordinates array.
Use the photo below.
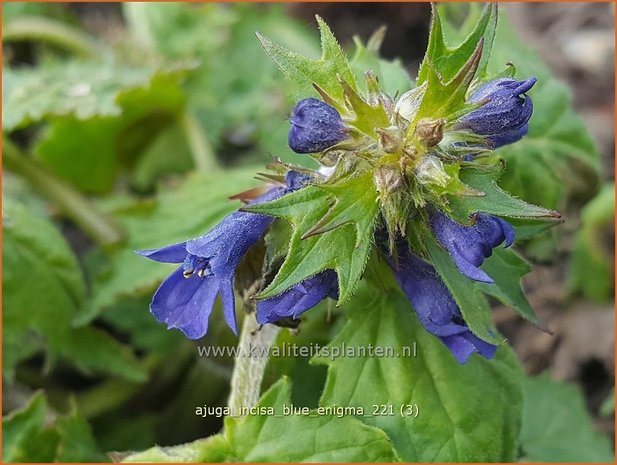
{"type": "Point", "coordinates": [430, 131]}
{"type": "Point", "coordinates": [390, 139]}
{"type": "Point", "coordinates": [408, 104]}
{"type": "Point", "coordinates": [506, 112]}
{"type": "Point", "coordinates": [315, 126]}
{"type": "Point", "coordinates": [388, 179]}
{"type": "Point", "coordinates": [430, 170]}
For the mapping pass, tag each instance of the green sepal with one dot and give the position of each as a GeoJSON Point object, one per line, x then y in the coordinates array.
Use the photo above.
{"type": "Point", "coordinates": [506, 267]}
{"type": "Point", "coordinates": [447, 98]}
{"type": "Point", "coordinates": [308, 71]}
{"type": "Point", "coordinates": [495, 201]}
{"type": "Point", "coordinates": [448, 61]}
{"type": "Point", "coordinates": [332, 229]}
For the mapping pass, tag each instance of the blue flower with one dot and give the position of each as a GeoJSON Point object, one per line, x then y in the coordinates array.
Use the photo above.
{"type": "Point", "coordinates": [315, 126]}
{"type": "Point", "coordinates": [436, 309]}
{"type": "Point", "coordinates": [186, 298]}
{"type": "Point", "coordinates": [470, 245]}
{"type": "Point", "coordinates": [504, 116]}
{"type": "Point", "coordinates": [298, 299]}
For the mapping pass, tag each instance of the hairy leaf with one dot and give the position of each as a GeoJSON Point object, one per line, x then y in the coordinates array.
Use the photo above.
{"type": "Point", "coordinates": [332, 229]}
{"type": "Point", "coordinates": [495, 200]}
{"type": "Point", "coordinates": [308, 71]}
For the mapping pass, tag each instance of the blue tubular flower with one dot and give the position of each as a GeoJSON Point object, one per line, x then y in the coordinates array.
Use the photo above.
{"type": "Point", "coordinates": [505, 115]}
{"type": "Point", "coordinates": [470, 245]}
{"type": "Point", "coordinates": [436, 309]}
{"type": "Point", "coordinates": [298, 299]}
{"type": "Point", "coordinates": [185, 299]}
{"type": "Point", "coordinates": [315, 126]}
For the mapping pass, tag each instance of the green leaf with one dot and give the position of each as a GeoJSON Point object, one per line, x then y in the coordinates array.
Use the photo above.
{"type": "Point", "coordinates": [392, 75]}
{"type": "Point", "coordinates": [308, 71]}
{"type": "Point", "coordinates": [274, 437]}
{"type": "Point", "coordinates": [591, 270]}
{"type": "Point", "coordinates": [81, 89]}
{"type": "Point", "coordinates": [296, 438]}
{"type": "Point", "coordinates": [39, 315]}
{"type": "Point", "coordinates": [557, 160]}
{"type": "Point", "coordinates": [466, 293]}
{"type": "Point", "coordinates": [33, 434]}
{"type": "Point", "coordinates": [214, 449]}
{"type": "Point", "coordinates": [462, 415]}
{"type": "Point", "coordinates": [507, 268]}
{"type": "Point", "coordinates": [88, 152]}
{"type": "Point", "coordinates": [495, 200]}
{"type": "Point", "coordinates": [82, 152]}
{"type": "Point", "coordinates": [557, 426]}
{"type": "Point", "coordinates": [447, 61]}
{"type": "Point", "coordinates": [332, 229]}
{"type": "Point", "coordinates": [171, 218]}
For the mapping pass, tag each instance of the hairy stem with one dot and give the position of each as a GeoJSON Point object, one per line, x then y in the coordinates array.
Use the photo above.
{"type": "Point", "coordinates": [97, 225]}
{"type": "Point", "coordinates": [251, 359]}
{"type": "Point", "coordinates": [52, 32]}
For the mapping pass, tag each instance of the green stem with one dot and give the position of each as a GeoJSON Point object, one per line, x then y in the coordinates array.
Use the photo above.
{"type": "Point", "coordinates": [203, 155]}
{"type": "Point", "coordinates": [253, 350]}
{"type": "Point", "coordinates": [50, 31]}
{"type": "Point", "coordinates": [96, 224]}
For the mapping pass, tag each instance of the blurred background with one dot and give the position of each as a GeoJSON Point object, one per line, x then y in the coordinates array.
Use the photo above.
{"type": "Point", "coordinates": [125, 126]}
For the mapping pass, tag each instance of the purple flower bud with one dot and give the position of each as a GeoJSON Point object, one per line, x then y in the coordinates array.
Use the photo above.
{"type": "Point", "coordinates": [509, 137]}
{"type": "Point", "coordinates": [315, 126]}
{"type": "Point", "coordinates": [298, 299]}
{"type": "Point", "coordinates": [436, 309]}
{"type": "Point", "coordinates": [470, 245]}
{"type": "Point", "coordinates": [186, 298]}
{"type": "Point", "coordinates": [505, 115]}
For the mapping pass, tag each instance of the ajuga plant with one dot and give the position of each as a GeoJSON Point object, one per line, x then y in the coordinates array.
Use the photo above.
{"type": "Point", "coordinates": [400, 179]}
{"type": "Point", "coordinates": [404, 197]}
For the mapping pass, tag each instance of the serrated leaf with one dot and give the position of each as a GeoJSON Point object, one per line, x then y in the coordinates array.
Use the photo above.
{"type": "Point", "coordinates": [332, 229]}
{"type": "Point", "coordinates": [40, 315]}
{"type": "Point", "coordinates": [468, 296]}
{"type": "Point", "coordinates": [171, 218]}
{"type": "Point", "coordinates": [33, 434]}
{"type": "Point", "coordinates": [447, 98]}
{"type": "Point", "coordinates": [507, 268]}
{"type": "Point", "coordinates": [557, 426]}
{"type": "Point", "coordinates": [447, 61]}
{"type": "Point", "coordinates": [462, 416]}
{"type": "Point", "coordinates": [495, 201]}
{"type": "Point", "coordinates": [591, 270]}
{"type": "Point", "coordinates": [308, 71]}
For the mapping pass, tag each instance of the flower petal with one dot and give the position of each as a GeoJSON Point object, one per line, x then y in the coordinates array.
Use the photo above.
{"type": "Point", "coordinates": [298, 299]}
{"type": "Point", "coordinates": [435, 307]}
{"type": "Point", "coordinates": [170, 254]}
{"type": "Point", "coordinates": [185, 304]}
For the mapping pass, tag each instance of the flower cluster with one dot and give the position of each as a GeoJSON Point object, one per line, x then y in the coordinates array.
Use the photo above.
{"type": "Point", "coordinates": [412, 149]}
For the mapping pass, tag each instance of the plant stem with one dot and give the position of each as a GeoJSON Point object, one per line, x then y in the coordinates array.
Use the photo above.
{"type": "Point", "coordinates": [203, 155]}
{"type": "Point", "coordinates": [96, 224]}
{"type": "Point", "coordinates": [50, 31]}
{"type": "Point", "coordinates": [253, 350]}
